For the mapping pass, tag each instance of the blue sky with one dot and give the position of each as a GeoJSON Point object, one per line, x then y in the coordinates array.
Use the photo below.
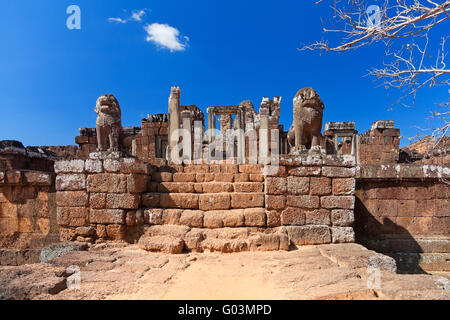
{"type": "Point", "coordinates": [227, 51]}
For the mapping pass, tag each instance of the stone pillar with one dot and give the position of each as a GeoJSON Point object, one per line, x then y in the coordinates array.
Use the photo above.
{"type": "Point", "coordinates": [264, 136]}
{"type": "Point", "coordinates": [174, 116]}
{"type": "Point", "coordinates": [211, 124]}
{"type": "Point", "coordinates": [187, 135]}
{"type": "Point", "coordinates": [241, 135]}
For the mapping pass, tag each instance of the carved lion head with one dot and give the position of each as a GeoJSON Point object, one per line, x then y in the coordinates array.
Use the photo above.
{"type": "Point", "coordinates": [308, 98]}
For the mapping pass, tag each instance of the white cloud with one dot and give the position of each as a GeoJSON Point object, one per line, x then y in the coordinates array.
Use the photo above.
{"type": "Point", "coordinates": [165, 36]}
{"type": "Point", "coordinates": [135, 16]}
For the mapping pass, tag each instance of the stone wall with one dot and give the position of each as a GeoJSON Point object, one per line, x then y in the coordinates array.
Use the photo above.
{"type": "Point", "coordinates": [309, 199]}
{"type": "Point", "coordinates": [404, 211]}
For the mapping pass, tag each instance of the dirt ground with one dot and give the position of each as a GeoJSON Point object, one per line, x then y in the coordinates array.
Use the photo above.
{"type": "Point", "coordinates": [112, 272]}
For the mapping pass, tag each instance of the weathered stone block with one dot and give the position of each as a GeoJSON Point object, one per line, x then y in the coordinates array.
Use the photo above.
{"type": "Point", "coordinates": [217, 187]}
{"type": "Point", "coordinates": [255, 178]}
{"type": "Point", "coordinates": [151, 200]}
{"type": "Point", "coordinates": [342, 218]}
{"type": "Point", "coordinates": [344, 186]}
{"type": "Point", "coordinates": [116, 232]}
{"type": "Point", "coordinates": [248, 187]}
{"type": "Point", "coordinates": [247, 200]}
{"type": "Point", "coordinates": [233, 218]}
{"type": "Point", "coordinates": [107, 182]}
{"type": "Point", "coordinates": [164, 244]}
{"type": "Point", "coordinates": [176, 187]}
{"type": "Point", "coordinates": [342, 235]}
{"type": "Point", "coordinates": [69, 166]}
{"type": "Point", "coordinates": [192, 218]}
{"type": "Point", "coordinates": [250, 168]}
{"type": "Point", "coordinates": [171, 216]}
{"type": "Point", "coordinates": [70, 182]}
{"type": "Point", "coordinates": [318, 217]}
{"type": "Point", "coordinates": [275, 202]}
{"type": "Point", "coordinates": [111, 165]}
{"type": "Point", "coordinates": [72, 199]}
{"type": "Point", "coordinates": [209, 202]}
{"type": "Point", "coordinates": [72, 217]}
{"type": "Point", "coordinates": [306, 202]}
{"type": "Point", "coordinates": [107, 216]}
{"type": "Point", "coordinates": [276, 185]}
{"type": "Point", "coordinates": [36, 178]}
{"type": "Point", "coordinates": [137, 183]}
{"type": "Point", "coordinates": [338, 172]}
{"type": "Point", "coordinates": [273, 219]}
{"type": "Point", "coordinates": [320, 186]}
{"type": "Point", "coordinates": [305, 171]}
{"type": "Point", "coordinates": [293, 217]}
{"type": "Point", "coordinates": [97, 200]}
{"type": "Point", "coordinates": [180, 200]}
{"type": "Point", "coordinates": [298, 185]}
{"type": "Point", "coordinates": [162, 177]}
{"type": "Point", "coordinates": [241, 177]}
{"type": "Point", "coordinates": [224, 177]}
{"type": "Point", "coordinates": [213, 219]}
{"type": "Point", "coordinates": [153, 216]}
{"type": "Point", "coordinates": [255, 217]}
{"type": "Point", "coordinates": [184, 177]}
{"type": "Point", "coordinates": [204, 177]}
{"type": "Point", "coordinates": [309, 235]}
{"type": "Point", "coordinates": [122, 201]}
{"type": "Point", "coordinates": [131, 165]}
{"type": "Point", "coordinates": [14, 177]}
{"type": "Point", "coordinates": [93, 166]}
{"type": "Point", "coordinates": [338, 202]}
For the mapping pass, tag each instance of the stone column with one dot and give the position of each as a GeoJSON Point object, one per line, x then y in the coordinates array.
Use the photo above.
{"type": "Point", "coordinates": [187, 135]}
{"type": "Point", "coordinates": [211, 124]}
{"type": "Point", "coordinates": [174, 117]}
{"type": "Point", "coordinates": [264, 135]}
{"type": "Point", "coordinates": [241, 135]}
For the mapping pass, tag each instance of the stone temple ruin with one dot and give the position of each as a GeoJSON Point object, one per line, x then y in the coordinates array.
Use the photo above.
{"type": "Point", "coordinates": [178, 183]}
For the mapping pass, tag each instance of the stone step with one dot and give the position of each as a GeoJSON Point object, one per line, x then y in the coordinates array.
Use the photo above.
{"type": "Point", "coordinates": [175, 239]}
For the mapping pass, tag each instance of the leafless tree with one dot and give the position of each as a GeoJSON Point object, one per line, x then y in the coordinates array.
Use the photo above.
{"type": "Point", "coordinates": [403, 26]}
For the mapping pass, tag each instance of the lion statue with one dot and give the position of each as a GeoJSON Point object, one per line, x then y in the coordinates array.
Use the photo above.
{"type": "Point", "coordinates": [306, 130]}
{"type": "Point", "coordinates": [109, 123]}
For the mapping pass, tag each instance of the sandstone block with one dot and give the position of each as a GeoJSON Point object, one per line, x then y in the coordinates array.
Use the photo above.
{"type": "Point", "coordinates": [111, 165]}
{"type": "Point", "coordinates": [213, 219]}
{"type": "Point", "coordinates": [122, 201]}
{"type": "Point", "coordinates": [72, 217]}
{"type": "Point", "coordinates": [344, 186]}
{"type": "Point", "coordinates": [255, 217]}
{"type": "Point", "coordinates": [171, 216]}
{"type": "Point", "coordinates": [180, 200]}
{"type": "Point", "coordinates": [36, 178]}
{"type": "Point", "coordinates": [305, 171]}
{"type": "Point", "coordinates": [153, 216]}
{"type": "Point", "coordinates": [72, 199]}
{"type": "Point", "coordinates": [192, 218]}
{"type": "Point", "coordinates": [320, 186]}
{"type": "Point", "coordinates": [338, 202]}
{"type": "Point", "coordinates": [151, 200]}
{"type": "Point", "coordinates": [255, 178]}
{"type": "Point", "coordinates": [250, 168]}
{"type": "Point", "coordinates": [204, 177]}
{"type": "Point", "coordinates": [164, 244]}
{"type": "Point", "coordinates": [276, 185]}
{"type": "Point", "coordinates": [318, 217]}
{"type": "Point", "coordinates": [93, 166]}
{"type": "Point", "coordinates": [85, 232]}
{"type": "Point", "coordinates": [275, 202]}
{"type": "Point", "coordinates": [342, 235]}
{"type": "Point", "coordinates": [97, 200]}
{"type": "Point", "coordinates": [176, 187]}
{"type": "Point", "coordinates": [298, 185]}
{"type": "Point", "coordinates": [249, 187]}
{"type": "Point", "coordinates": [342, 218]}
{"type": "Point", "coordinates": [107, 216]}
{"type": "Point", "coordinates": [241, 177]}
{"type": "Point", "coordinates": [210, 202]}
{"type": "Point", "coordinates": [168, 230]}
{"type": "Point", "coordinates": [247, 200]}
{"type": "Point", "coordinates": [309, 235]}
{"type": "Point", "coordinates": [132, 165]}
{"type": "Point", "coordinates": [293, 217]}
{"type": "Point", "coordinates": [273, 219]}
{"type": "Point", "coordinates": [137, 183]}
{"type": "Point", "coordinates": [306, 202]}
{"type": "Point", "coordinates": [107, 183]}
{"type": "Point", "coordinates": [69, 166]}
{"type": "Point", "coordinates": [116, 232]}
{"type": "Point", "coordinates": [217, 187]}
{"type": "Point", "coordinates": [184, 177]}
{"type": "Point", "coordinates": [223, 177]}
{"type": "Point", "coordinates": [338, 172]}
{"type": "Point", "coordinates": [70, 182]}
{"type": "Point", "coordinates": [233, 218]}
